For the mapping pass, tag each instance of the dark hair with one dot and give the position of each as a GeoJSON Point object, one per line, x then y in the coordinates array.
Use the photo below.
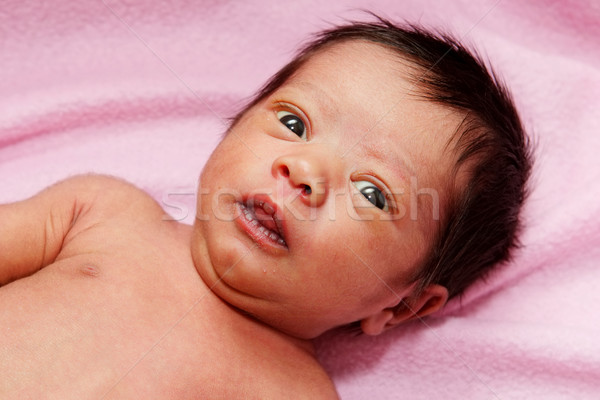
{"type": "Point", "coordinates": [481, 220]}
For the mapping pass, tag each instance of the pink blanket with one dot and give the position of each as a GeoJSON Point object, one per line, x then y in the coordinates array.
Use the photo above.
{"type": "Point", "coordinates": [141, 90]}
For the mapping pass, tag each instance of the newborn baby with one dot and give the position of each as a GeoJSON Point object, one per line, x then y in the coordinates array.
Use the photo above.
{"type": "Point", "coordinates": [375, 176]}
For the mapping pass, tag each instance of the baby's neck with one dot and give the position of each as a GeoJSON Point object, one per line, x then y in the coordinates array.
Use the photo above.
{"type": "Point", "coordinates": [305, 345]}
{"type": "Point", "coordinates": [233, 315]}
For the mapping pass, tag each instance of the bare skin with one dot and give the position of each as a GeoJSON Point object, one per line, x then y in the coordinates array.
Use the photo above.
{"type": "Point", "coordinates": [104, 302]}
{"type": "Point", "coordinates": [105, 298]}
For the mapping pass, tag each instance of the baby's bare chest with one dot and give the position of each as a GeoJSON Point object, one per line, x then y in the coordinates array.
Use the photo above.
{"type": "Point", "coordinates": [78, 327]}
{"type": "Point", "coordinates": [114, 325]}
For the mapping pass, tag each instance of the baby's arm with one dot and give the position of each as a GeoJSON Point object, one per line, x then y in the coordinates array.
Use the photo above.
{"type": "Point", "coordinates": [32, 230]}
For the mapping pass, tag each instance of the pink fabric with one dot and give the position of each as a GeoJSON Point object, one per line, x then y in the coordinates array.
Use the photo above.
{"type": "Point", "coordinates": [141, 90]}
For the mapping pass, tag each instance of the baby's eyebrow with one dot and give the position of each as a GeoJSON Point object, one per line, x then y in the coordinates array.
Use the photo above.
{"type": "Point", "coordinates": [401, 166]}
{"type": "Point", "coordinates": [326, 103]}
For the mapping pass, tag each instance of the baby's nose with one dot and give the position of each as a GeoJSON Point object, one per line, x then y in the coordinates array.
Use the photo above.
{"type": "Point", "coordinates": [306, 174]}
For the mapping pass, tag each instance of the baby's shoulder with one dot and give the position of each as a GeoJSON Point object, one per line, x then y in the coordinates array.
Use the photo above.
{"type": "Point", "coordinates": [308, 381]}
{"type": "Point", "coordinates": [286, 372]}
{"type": "Point", "coordinates": [96, 185]}
{"type": "Point", "coordinates": [103, 194]}
{"type": "Point", "coordinates": [85, 201]}
{"type": "Point", "coordinates": [286, 378]}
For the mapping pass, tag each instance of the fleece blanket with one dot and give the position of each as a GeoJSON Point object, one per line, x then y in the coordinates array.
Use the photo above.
{"type": "Point", "coordinates": [143, 90]}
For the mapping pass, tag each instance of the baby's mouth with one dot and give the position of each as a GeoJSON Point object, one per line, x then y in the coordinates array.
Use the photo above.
{"type": "Point", "coordinates": [262, 215]}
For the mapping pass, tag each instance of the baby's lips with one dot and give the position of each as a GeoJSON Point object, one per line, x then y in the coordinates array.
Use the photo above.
{"type": "Point", "coordinates": [267, 211]}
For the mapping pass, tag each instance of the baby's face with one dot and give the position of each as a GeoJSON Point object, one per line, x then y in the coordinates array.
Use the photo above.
{"type": "Point", "coordinates": [315, 210]}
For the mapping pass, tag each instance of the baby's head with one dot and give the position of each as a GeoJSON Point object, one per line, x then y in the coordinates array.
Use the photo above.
{"type": "Point", "coordinates": [376, 175]}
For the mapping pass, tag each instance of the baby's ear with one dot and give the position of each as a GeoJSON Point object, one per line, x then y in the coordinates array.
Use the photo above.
{"type": "Point", "coordinates": [428, 301]}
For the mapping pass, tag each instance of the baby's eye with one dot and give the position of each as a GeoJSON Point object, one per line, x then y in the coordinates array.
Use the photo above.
{"type": "Point", "coordinates": [373, 194]}
{"type": "Point", "coordinates": [293, 122]}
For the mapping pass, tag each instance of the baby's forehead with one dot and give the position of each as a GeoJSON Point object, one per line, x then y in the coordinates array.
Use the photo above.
{"type": "Point", "coordinates": [353, 52]}
{"type": "Point", "coordinates": [357, 76]}
{"type": "Point", "coordinates": [352, 76]}
{"type": "Point", "coordinates": [373, 89]}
